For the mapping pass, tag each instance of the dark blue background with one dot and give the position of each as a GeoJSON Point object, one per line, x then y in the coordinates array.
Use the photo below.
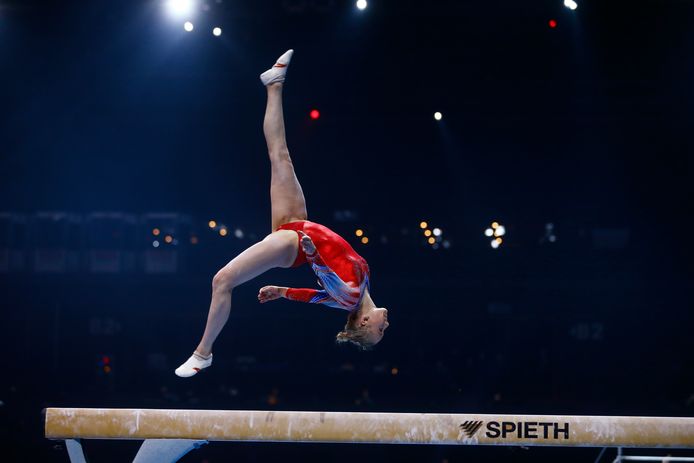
{"type": "Point", "coordinates": [110, 106]}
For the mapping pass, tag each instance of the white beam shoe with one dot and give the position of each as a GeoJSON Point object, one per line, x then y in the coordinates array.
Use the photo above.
{"type": "Point", "coordinates": [277, 72]}
{"type": "Point", "coordinates": [193, 365]}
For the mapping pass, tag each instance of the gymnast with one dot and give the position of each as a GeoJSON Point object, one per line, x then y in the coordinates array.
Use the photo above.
{"type": "Point", "coordinates": [342, 273]}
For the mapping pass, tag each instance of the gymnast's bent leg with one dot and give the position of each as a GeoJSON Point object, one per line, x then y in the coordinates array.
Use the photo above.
{"type": "Point", "coordinates": [276, 250]}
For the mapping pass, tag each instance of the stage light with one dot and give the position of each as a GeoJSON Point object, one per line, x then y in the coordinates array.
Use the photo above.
{"type": "Point", "coordinates": [437, 232]}
{"type": "Point", "coordinates": [193, 240]}
{"type": "Point", "coordinates": [500, 231]}
{"type": "Point", "coordinates": [188, 26]}
{"type": "Point", "coordinates": [432, 240]}
{"type": "Point", "coordinates": [438, 116]}
{"type": "Point", "coordinates": [223, 231]}
{"type": "Point", "coordinates": [495, 244]}
{"type": "Point", "coordinates": [495, 225]}
{"type": "Point", "coordinates": [359, 232]}
{"type": "Point", "coordinates": [423, 225]}
{"type": "Point", "coordinates": [217, 31]}
{"type": "Point", "coordinates": [211, 224]}
{"type": "Point", "coordinates": [155, 243]}
{"type": "Point", "coordinates": [489, 232]}
{"type": "Point", "coordinates": [499, 240]}
{"type": "Point", "coordinates": [156, 232]}
{"type": "Point", "coordinates": [552, 23]}
{"type": "Point", "coordinates": [362, 4]}
{"type": "Point", "coordinates": [180, 8]}
{"type": "Point", "coordinates": [168, 239]}
{"type": "Point", "coordinates": [427, 232]}
{"type": "Point", "coordinates": [238, 233]}
{"type": "Point", "coordinates": [315, 114]}
{"type": "Point", "coordinates": [570, 4]}
{"type": "Point", "coordinates": [365, 240]}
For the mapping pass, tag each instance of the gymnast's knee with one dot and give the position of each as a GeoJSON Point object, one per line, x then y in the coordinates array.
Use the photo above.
{"type": "Point", "coordinates": [223, 281]}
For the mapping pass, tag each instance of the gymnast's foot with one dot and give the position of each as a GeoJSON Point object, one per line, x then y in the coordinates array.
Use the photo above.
{"type": "Point", "coordinates": [277, 72]}
{"type": "Point", "coordinates": [193, 365]}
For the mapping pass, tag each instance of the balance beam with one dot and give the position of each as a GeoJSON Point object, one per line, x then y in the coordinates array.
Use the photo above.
{"type": "Point", "coordinates": [370, 428]}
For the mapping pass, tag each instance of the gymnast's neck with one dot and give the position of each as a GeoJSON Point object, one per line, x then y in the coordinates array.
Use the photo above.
{"type": "Point", "coordinates": [366, 304]}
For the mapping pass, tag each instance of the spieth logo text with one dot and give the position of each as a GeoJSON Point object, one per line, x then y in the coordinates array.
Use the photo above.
{"type": "Point", "coordinates": [518, 429]}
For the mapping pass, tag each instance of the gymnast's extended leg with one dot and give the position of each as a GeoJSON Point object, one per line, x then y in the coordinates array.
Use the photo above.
{"type": "Point", "coordinates": [286, 196]}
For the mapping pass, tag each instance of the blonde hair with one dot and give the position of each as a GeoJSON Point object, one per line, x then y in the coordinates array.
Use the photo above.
{"type": "Point", "coordinates": [354, 333]}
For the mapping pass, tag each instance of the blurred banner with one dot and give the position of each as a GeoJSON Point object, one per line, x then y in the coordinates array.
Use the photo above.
{"type": "Point", "coordinates": [100, 242]}
{"type": "Point", "coordinates": [111, 238]}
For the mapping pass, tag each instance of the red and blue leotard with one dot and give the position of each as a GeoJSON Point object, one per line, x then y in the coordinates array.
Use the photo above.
{"type": "Point", "coordinates": [343, 274]}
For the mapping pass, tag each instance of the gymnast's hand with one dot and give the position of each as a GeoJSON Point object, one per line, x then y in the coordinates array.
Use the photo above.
{"type": "Point", "coordinates": [270, 293]}
{"type": "Point", "coordinates": [307, 244]}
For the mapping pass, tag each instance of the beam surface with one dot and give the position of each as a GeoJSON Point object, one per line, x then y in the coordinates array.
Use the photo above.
{"type": "Point", "coordinates": [385, 428]}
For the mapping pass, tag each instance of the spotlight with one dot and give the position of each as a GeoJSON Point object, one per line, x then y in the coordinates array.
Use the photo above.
{"type": "Point", "coordinates": [431, 240]}
{"type": "Point", "coordinates": [211, 224]}
{"type": "Point", "coordinates": [188, 26]}
{"type": "Point", "coordinates": [156, 232]}
{"type": "Point", "coordinates": [180, 8]}
{"type": "Point", "coordinates": [500, 231]}
{"type": "Point", "coordinates": [155, 243]}
{"type": "Point", "coordinates": [437, 232]}
{"type": "Point", "coordinates": [364, 240]}
{"type": "Point", "coordinates": [359, 232]}
{"type": "Point", "coordinates": [570, 4]}
{"type": "Point", "coordinates": [223, 231]}
{"type": "Point", "coordinates": [489, 232]}
{"type": "Point", "coordinates": [495, 244]}
{"type": "Point", "coordinates": [427, 232]}
{"type": "Point", "coordinates": [217, 31]}
{"type": "Point", "coordinates": [552, 23]}
{"type": "Point", "coordinates": [423, 225]}
{"type": "Point", "coordinates": [168, 239]}
{"type": "Point", "coordinates": [438, 116]}
{"type": "Point", "coordinates": [238, 233]}
{"type": "Point", "coordinates": [362, 4]}
{"type": "Point", "coordinates": [315, 114]}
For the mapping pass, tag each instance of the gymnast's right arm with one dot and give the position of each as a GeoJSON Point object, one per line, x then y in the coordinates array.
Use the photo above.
{"type": "Point", "coordinates": [313, 296]}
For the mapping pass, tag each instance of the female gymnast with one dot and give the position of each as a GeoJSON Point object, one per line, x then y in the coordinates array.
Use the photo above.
{"type": "Point", "coordinates": [342, 273]}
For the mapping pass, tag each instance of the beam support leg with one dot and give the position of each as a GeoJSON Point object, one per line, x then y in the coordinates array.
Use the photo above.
{"type": "Point", "coordinates": [74, 451]}
{"type": "Point", "coordinates": [165, 450]}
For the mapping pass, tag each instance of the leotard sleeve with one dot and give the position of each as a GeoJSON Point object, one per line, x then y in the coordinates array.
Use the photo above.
{"type": "Point", "coordinates": [313, 296]}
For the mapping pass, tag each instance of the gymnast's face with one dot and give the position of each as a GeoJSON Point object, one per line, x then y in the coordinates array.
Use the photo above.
{"type": "Point", "coordinates": [376, 323]}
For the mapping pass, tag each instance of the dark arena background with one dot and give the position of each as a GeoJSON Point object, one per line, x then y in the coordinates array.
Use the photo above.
{"type": "Point", "coordinates": [517, 174]}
